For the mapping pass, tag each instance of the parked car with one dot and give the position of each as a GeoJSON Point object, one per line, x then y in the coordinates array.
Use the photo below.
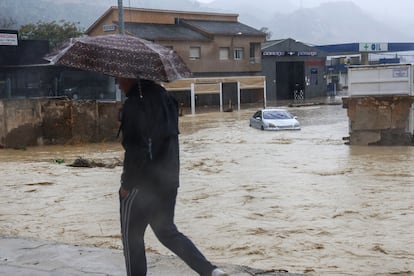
{"type": "Point", "coordinates": [274, 119]}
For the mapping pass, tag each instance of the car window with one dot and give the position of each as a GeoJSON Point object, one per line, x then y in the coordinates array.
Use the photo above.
{"type": "Point", "coordinates": [277, 115]}
{"type": "Point", "coordinates": [257, 114]}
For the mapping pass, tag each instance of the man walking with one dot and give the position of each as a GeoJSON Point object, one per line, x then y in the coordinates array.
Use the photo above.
{"type": "Point", "coordinates": [150, 178]}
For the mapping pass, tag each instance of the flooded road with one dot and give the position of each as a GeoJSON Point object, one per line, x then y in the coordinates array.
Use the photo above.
{"type": "Point", "coordinates": [297, 200]}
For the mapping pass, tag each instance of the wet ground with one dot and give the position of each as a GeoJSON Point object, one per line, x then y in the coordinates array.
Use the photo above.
{"type": "Point", "coordinates": [296, 200]}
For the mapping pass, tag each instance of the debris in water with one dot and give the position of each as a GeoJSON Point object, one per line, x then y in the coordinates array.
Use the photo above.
{"type": "Point", "coordinates": [85, 163]}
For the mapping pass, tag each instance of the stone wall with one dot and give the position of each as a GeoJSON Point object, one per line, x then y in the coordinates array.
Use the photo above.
{"type": "Point", "coordinates": [379, 120]}
{"type": "Point", "coordinates": [30, 122]}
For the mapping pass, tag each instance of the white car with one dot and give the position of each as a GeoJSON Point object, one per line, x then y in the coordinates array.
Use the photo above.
{"type": "Point", "coordinates": [274, 119]}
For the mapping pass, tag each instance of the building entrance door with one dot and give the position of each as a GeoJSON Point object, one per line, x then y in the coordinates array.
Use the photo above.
{"type": "Point", "coordinates": [229, 95]}
{"type": "Point", "coordinates": [290, 80]}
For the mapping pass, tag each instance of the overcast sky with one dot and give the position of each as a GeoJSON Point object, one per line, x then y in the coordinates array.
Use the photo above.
{"type": "Point", "coordinates": [398, 14]}
{"type": "Point", "coordinates": [380, 7]}
{"type": "Point", "coordinates": [393, 8]}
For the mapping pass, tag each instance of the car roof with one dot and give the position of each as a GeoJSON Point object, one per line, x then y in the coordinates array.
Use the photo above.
{"type": "Point", "coordinates": [274, 109]}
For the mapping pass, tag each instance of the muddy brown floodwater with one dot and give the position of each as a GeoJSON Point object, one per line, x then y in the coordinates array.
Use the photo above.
{"type": "Point", "coordinates": [296, 200]}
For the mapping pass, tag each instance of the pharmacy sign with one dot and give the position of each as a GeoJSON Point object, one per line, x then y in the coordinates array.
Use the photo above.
{"type": "Point", "coordinates": [373, 47]}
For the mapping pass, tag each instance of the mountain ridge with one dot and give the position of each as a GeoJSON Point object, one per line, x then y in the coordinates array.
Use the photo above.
{"type": "Point", "coordinates": [328, 23]}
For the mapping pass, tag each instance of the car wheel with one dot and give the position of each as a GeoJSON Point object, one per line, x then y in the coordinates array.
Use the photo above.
{"type": "Point", "coordinates": [262, 128]}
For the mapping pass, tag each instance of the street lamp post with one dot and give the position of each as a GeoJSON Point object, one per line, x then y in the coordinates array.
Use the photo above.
{"type": "Point", "coordinates": [121, 17]}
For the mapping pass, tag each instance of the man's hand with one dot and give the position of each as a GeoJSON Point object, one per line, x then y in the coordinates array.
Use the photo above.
{"type": "Point", "coordinates": [123, 193]}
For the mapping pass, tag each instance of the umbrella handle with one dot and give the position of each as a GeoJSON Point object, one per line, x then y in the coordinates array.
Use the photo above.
{"type": "Point", "coordinates": [150, 148]}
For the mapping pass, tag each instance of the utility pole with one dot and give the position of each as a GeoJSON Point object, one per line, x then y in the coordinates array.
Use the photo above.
{"type": "Point", "coordinates": [121, 17]}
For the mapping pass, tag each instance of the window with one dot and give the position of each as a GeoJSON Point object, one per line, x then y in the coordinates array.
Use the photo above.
{"type": "Point", "coordinates": [258, 115]}
{"type": "Point", "coordinates": [194, 53]}
{"type": "Point", "coordinates": [238, 53]}
{"type": "Point", "coordinates": [224, 53]}
{"type": "Point", "coordinates": [253, 48]}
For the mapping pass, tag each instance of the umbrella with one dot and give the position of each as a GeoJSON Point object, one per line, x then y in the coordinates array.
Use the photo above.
{"type": "Point", "coordinates": [121, 56]}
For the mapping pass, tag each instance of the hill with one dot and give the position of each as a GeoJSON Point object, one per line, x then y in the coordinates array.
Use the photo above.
{"type": "Point", "coordinates": [328, 23]}
{"type": "Point", "coordinates": [335, 22]}
{"type": "Point", "coordinates": [79, 11]}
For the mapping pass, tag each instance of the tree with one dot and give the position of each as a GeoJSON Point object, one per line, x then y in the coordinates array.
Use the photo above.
{"type": "Point", "coordinates": [55, 32]}
{"type": "Point", "coordinates": [7, 22]}
{"type": "Point", "coordinates": [267, 32]}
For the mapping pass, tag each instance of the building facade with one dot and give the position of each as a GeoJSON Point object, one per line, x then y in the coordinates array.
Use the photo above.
{"type": "Point", "coordinates": [223, 54]}
{"type": "Point", "coordinates": [211, 44]}
{"type": "Point", "coordinates": [293, 70]}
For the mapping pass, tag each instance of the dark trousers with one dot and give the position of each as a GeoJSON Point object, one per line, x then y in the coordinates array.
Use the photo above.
{"type": "Point", "coordinates": [142, 208]}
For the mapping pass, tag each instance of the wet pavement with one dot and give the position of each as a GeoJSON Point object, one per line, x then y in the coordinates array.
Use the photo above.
{"type": "Point", "coordinates": [25, 257]}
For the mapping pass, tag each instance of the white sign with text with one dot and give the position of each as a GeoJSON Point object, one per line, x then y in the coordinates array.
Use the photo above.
{"type": "Point", "coordinates": [8, 39]}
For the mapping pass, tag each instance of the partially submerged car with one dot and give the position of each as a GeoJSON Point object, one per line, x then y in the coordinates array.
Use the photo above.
{"type": "Point", "coordinates": [274, 119]}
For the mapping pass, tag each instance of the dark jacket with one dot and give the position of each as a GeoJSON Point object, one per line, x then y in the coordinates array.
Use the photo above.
{"type": "Point", "coordinates": [149, 125]}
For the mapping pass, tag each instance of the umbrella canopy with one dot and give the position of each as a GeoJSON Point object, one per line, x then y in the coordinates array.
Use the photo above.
{"type": "Point", "coordinates": [121, 56]}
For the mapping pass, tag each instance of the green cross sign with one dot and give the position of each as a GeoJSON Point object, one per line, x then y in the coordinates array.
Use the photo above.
{"type": "Point", "coordinates": [373, 47]}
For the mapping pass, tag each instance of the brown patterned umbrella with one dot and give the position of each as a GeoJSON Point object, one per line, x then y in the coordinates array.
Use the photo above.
{"type": "Point", "coordinates": [121, 56]}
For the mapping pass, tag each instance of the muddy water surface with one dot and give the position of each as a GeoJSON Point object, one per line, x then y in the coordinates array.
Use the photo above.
{"type": "Point", "coordinates": [296, 200]}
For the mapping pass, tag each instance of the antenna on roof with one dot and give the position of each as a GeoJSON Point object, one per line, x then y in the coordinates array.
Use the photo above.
{"type": "Point", "coordinates": [121, 17]}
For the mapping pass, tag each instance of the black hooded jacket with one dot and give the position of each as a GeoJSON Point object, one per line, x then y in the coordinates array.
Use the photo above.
{"type": "Point", "coordinates": [149, 125]}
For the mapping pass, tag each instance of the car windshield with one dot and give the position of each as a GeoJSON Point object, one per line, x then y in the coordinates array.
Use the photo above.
{"type": "Point", "coordinates": [273, 114]}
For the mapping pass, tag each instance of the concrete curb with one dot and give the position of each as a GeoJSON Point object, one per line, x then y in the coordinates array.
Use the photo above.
{"type": "Point", "coordinates": [19, 256]}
